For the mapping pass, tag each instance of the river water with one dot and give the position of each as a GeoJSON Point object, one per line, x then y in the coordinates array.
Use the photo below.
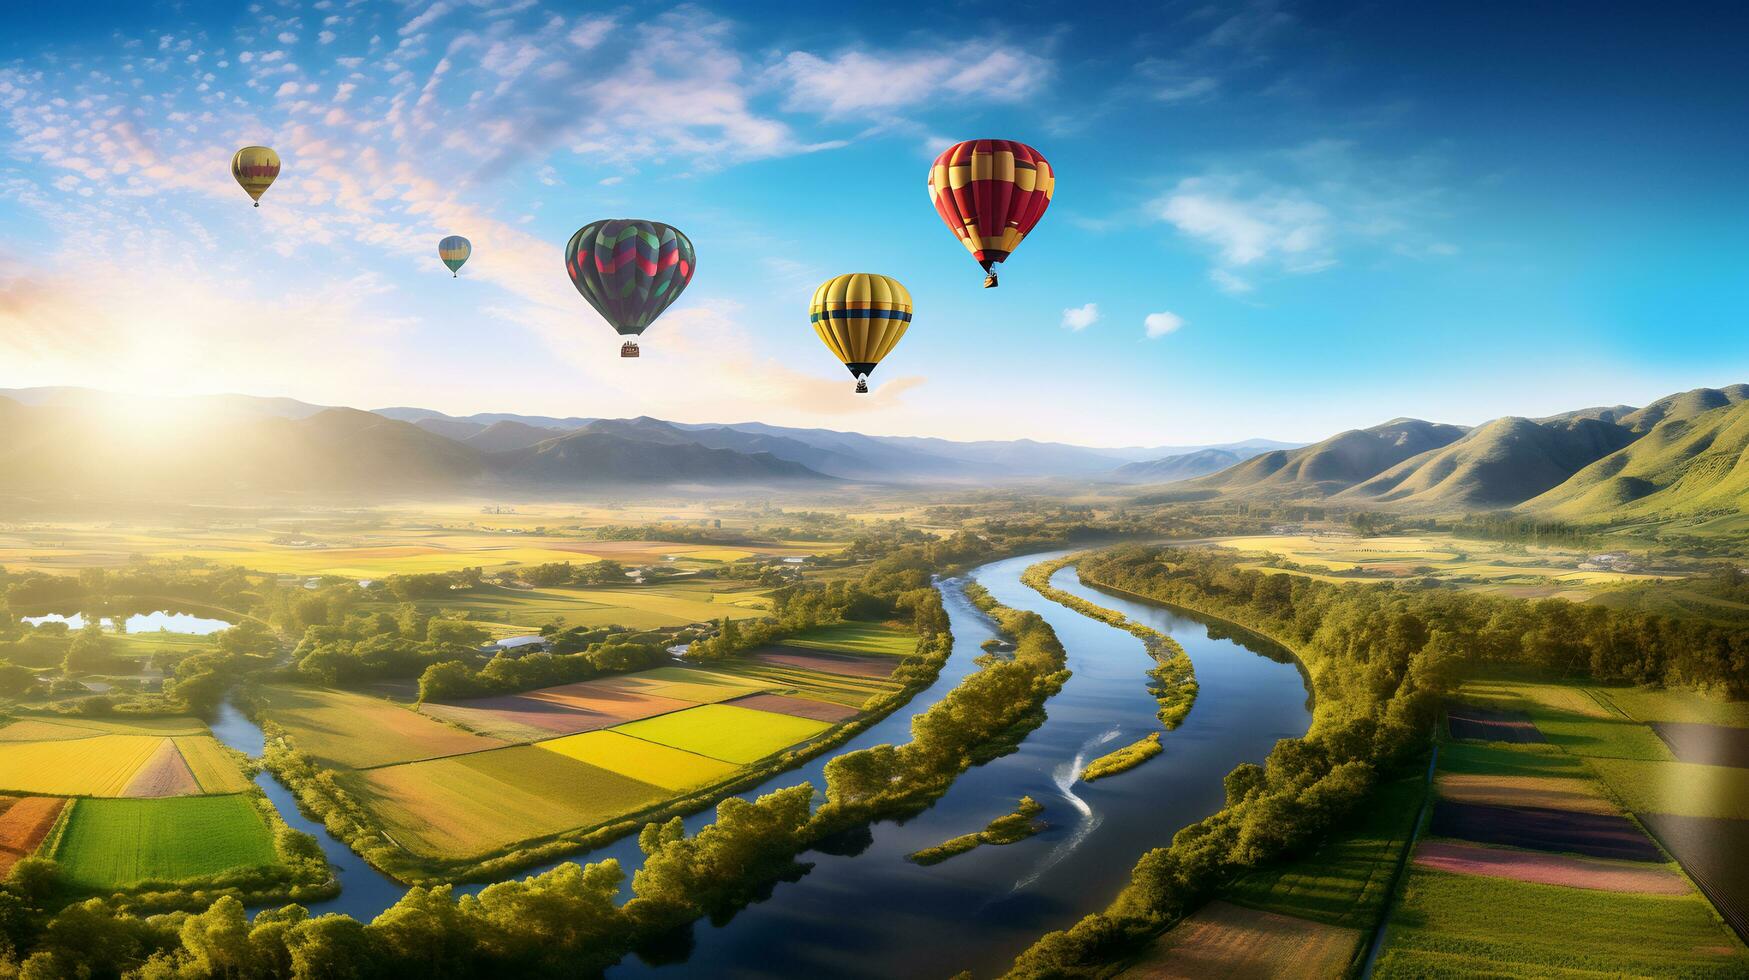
{"type": "Point", "coordinates": [874, 914]}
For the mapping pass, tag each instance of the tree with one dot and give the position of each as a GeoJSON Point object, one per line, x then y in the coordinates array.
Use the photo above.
{"type": "Point", "coordinates": [90, 653]}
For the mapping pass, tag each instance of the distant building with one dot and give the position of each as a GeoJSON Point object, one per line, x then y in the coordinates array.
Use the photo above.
{"type": "Point", "coordinates": [517, 646]}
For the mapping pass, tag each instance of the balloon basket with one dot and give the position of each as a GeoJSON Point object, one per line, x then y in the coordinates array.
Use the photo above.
{"type": "Point", "coordinates": [628, 349]}
{"type": "Point", "coordinates": [990, 281]}
{"type": "Point", "coordinates": [257, 203]}
{"type": "Point", "coordinates": [861, 386]}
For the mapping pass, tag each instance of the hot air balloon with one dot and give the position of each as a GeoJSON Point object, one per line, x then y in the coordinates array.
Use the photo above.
{"type": "Point", "coordinates": [630, 271]}
{"type": "Point", "coordinates": [454, 252]}
{"type": "Point", "coordinates": [991, 193]}
{"type": "Point", "coordinates": [255, 167]}
{"type": "Point", "coordinates": [860, 317]}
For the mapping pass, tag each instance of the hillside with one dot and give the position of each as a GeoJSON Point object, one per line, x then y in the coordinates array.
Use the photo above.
{"type": "Point", "coordinates": [1500, 464]}
{"type": "Point", "coordinates": [1684, 405]}
{"type": "Point", "coordinates": [1184, 466]}
{"type": "Point", "coordinates": [591, 458]}
{"type": "Point", "coordinates": [1331, 466]}
{"type": "Point", "coordinates": [1684, 466]}
{"type": "Point", "coordinates": [506, 435]}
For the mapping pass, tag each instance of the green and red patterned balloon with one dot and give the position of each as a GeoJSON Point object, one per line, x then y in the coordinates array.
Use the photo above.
{"type": "Point", "coordinates": [629, 270]}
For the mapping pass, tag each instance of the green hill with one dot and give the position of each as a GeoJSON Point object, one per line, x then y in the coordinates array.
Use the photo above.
{"type": "Point", "coordinates": [1684, 466]}
{"type": "Point", "coordinates": [1500, 464]}
{"type": "Point", "coordinates": [1331, 466]}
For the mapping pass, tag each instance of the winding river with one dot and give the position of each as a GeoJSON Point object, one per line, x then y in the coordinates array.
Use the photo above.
{"type": "Point", "coordinates": [874, 914]}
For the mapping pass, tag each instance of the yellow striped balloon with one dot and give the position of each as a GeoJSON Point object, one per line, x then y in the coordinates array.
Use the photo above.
{"type": "Point", "coordinates": [255, 167]}
{"type": "Point", "coordinates": [860, 316]}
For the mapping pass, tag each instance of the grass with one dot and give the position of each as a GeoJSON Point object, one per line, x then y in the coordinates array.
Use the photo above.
{"type": "Point", "coordinates": [1519, 760]}
{"type": "Point", "coordinates": [471, 805]}
{"type": "Point", "coordinates": [661, 765]}
{"type": "Point", "coordinates": [1682, 788]}
{"type": "Point", "coordinates": [115, 843]}
{"type": "Point", "coordinates": [1572, 720]}
{"type": "Point", "coordinates": [353, 730]}
{"type": "Point", "coordinates": [867, 638]}
{"type": "Point", "coordinates": [725, 732]}
{"type": "Point", "coordinates": [1524, 570]}
{"type": "Point", "coordinates": [213, 766]}
{"type": "Point", "coordinates": [1124, 759]}
{"type": "Point", "coordinates": [1647, 704]}
{"type": "Point", "coordinates": [143, 726]}
{"type": "Point", "coordinates": [638, 607]}
{"type": "Point", "coordinates": [38, 730]}
{"type": "Point", "coordinates": [686, 684]}
{"type": "Point", "coordinates": [1461, 925]}
{"type": "Point", "coordinates": [1227, 941]}
{"type": "Point", "coordinates": [803, 683]}
{"type": "Point", "coordinates": [1009, 828]}
{"type": "Point", "coordinates": [96, 766]}
{"type": "Point", "coordinates": [1346, 881]}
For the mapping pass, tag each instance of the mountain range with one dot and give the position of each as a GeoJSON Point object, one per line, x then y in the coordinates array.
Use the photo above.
{"type": "Point", "coordinates": [73, 439]}
{"type": "Point", "coordinates": [1682, 456]}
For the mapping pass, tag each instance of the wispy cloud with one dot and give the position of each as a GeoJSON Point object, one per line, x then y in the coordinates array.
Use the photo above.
{"type": "Point", "coordinates": [885, 81]}
{"type": "Point", "coordinates": [1079, 318]}
{"type": "Point", "coordinates": [1161, 324]}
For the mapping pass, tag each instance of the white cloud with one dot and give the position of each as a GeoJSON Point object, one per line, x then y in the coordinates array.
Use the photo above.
{"type": "Point", "coordinates": [1227, 282]}
{"type": "Point", "coordinates": [1250, 226]}
{"type": "Point", "coordinates": [1161, 324]}
{"type": "Point", "coordinates": [858, 81]}
{"type": "Point", "coordinates": [425, 19]}
{"type": "Point", "coordinates": [326, 37]}
{"type": "Point", "coordinates": [590, 31]}
{"type": "Point", "coordinates": [287, 37]}
{"type": "Point", "coordinates": [1079, 318]}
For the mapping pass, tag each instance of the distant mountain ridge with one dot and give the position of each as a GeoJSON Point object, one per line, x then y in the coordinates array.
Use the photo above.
{"type": "Point", "coordinates": [1684, 456]}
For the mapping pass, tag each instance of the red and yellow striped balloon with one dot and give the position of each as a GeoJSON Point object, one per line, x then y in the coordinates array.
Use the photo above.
{"type": "Point", "coordinates": [990, 194]}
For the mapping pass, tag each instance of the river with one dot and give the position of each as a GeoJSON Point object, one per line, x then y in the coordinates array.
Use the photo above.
{"type": "Point", "coordinates": [875, 914]}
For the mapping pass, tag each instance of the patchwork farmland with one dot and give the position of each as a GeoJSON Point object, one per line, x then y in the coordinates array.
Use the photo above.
{"type": "Point", "coordinates": [449, 783]}
{"type": "Point", "coordinates": [1530, 861]}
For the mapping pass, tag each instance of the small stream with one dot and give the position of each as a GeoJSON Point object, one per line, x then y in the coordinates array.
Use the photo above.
{"type": "Point", "coordinates": [874, 914]}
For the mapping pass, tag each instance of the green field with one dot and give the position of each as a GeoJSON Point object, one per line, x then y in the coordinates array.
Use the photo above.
{"type": "Point", "coordinates": [1450, 925]}
{"type": "Point", "coordinates": [1347, 880]}
{"type": "Point", "coordinates": [469, 805]}
{"type": "Point", "coordinates": [1646, 704]}
{"type": "Point", "coordinates": [116, 843]}
{"type": "Point", "coordinates": [355, 730]}
{"type": "Point", "coordinates": [669, 768]}
{"type": "Point", "coordinates": [852, 637]}
{"type": "Point", "coordinates": [1683, 788]}
{"type": "Point", "coordinates": [1519, 760]}
{"type": "Point", "coordinates": [802, 683]}
{"type": "Point", "coordinates": [637, 607]}
{"type": "Point", "coordinates": [725, 732]}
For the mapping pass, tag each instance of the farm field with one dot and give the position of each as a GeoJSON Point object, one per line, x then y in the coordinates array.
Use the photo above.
{"type": "Point", "coordinates": [857, 637]}
{"type": "Point", "coordinates": [356, 731]}
{"type": "Point", "coordinates": [1523, 571]}
{"type": "Point", "coordinates": [1450, 925]}
{"type": "Point", "coordinates": [799, 682]}
{"type": "Point", "coordinates": [697, 684]}
{"type": "Point", "coordinates": [115, 843]}
{"type": "Point", "coordinates": [636, 758]}
{"type": "Point", "coordinates": [1527, 852]}
{"type": "Point", "coordinates": [1642, 704]}
{"type": "Point", "coordinates": [468, 805]}
{"type": "Point", "coordinates": [1346, 881]}
{"type": "Point", "coordinates": [24, 824]}
{"type": "Point", "coordinates": [1230, 942]}
{"type": "Point", "coordinates": [371, 544]}
{"type": "Point", "coordinates": [213, 766]}
{"type": "Point", "coordinates": [101, 765]}
{"type": "Point", "coordinates": [725, 732]}
{"type": "Point", "coordinates": [551, 711]}
{"type": "Point", "coordinates": [638, 607]}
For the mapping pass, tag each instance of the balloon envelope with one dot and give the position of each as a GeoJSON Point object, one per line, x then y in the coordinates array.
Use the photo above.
{"type": "Point", "coordinates": [860, 316]}
{"type": "Point", "coordinates": [454, 252]}
{"type": "Point", "coordinates": [630, 270]}
{"type": "Point", "coordinates": [990, 194]}
{"type": "Point", "coordinates": [255, 167]}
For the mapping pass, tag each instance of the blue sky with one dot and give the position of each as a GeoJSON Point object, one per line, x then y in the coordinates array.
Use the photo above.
{"type": "Point", "coordinates": [1272, 219]}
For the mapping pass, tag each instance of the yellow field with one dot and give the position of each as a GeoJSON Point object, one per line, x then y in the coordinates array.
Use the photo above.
{"type": "Point", "coordinates": [1522, 571]}
{"type": "Point", "coordinates": [669, 768]}
{"type": "Point", "coordinates": [374, 544]}
{"type": "Point", "coordinates": [36, 730]}
{"type": "Point", "coordinates": [96, 766]}
{"type": "Point", "coordinates": [212, 766]}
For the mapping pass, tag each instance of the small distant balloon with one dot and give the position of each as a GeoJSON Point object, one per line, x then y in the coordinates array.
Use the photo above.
{"type": "Point", "coordinates": [630, 270]}
{"type": "Point", "coordinates": [860, 318]}
{"type": "Point", "coordinates": [990, 194]}
{"type": "Point", "coordinates": [454, 252]}
{"type": "Point", "coordinates": [255, 167]}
